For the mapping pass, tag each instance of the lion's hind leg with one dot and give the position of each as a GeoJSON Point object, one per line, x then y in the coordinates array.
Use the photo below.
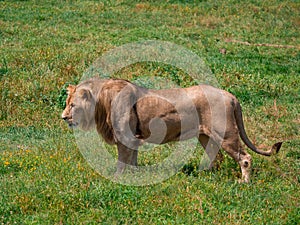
{"type": "Point", "coordinates": [245, 164]}
{"type": "Point", "coordinates": [236, 151]}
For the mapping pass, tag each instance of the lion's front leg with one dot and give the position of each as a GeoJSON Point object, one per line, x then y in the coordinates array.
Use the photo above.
{"type": "Point", "coordinates": [134, 158]}
{"type": "Point", "coordinates": [126, 156]}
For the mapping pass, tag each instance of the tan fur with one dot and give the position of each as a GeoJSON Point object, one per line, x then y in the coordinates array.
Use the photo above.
{"type": "Point", "coordinates": [127, 115]}
{"type": "Point", "coordinates": [80, 104]}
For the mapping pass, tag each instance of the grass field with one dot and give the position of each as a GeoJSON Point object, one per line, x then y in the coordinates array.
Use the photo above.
{"type": "Point", "coordinates": [46, 44]}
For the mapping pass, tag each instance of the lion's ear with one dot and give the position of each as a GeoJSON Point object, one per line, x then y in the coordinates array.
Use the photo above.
{"type": "Point", "coordinates": [85, 94]}
{"type": "Point", "coordinates": [71, 89]}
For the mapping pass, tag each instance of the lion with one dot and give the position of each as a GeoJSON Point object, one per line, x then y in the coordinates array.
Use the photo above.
{"type": "Point", "coordinates": [128, 115]}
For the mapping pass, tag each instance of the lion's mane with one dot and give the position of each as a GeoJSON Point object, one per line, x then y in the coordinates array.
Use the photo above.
{"type": "Point", "coordinates": [103, 110]}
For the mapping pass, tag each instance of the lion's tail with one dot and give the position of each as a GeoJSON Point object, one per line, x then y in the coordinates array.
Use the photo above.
{"type": "Point", "coordinates": [239, 120]}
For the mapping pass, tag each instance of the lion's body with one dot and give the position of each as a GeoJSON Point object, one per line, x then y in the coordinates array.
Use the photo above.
{"type": "Point", "coordinates": [126, 115]}
{"type": "Point", "coordinates": [185, 112]}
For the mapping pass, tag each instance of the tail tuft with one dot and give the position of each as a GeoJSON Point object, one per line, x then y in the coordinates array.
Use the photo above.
{"type": "Point", "coordinates": [276, 147]}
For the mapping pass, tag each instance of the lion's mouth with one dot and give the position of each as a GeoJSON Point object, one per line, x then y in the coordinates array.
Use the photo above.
{"type": "Point", "coordinates": [70, 122]}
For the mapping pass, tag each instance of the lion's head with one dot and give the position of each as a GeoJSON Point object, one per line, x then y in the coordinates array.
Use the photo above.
{"type": "Point", "coordinates": [80, 107]}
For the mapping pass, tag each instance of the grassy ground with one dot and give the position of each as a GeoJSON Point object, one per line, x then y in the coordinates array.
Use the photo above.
{"type": "Point", "coordinates": [45, 44]}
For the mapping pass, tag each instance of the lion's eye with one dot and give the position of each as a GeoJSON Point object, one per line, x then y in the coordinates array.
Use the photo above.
{"type": "Point", "coordinates": [72, 105]}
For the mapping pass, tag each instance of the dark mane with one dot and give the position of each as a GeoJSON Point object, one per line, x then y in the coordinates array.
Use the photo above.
{"type": "Point", "coordinates": [105, 97]}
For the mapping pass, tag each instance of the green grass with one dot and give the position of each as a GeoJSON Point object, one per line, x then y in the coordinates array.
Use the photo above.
{"type": "Point", "coordinates": [46, 44]}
